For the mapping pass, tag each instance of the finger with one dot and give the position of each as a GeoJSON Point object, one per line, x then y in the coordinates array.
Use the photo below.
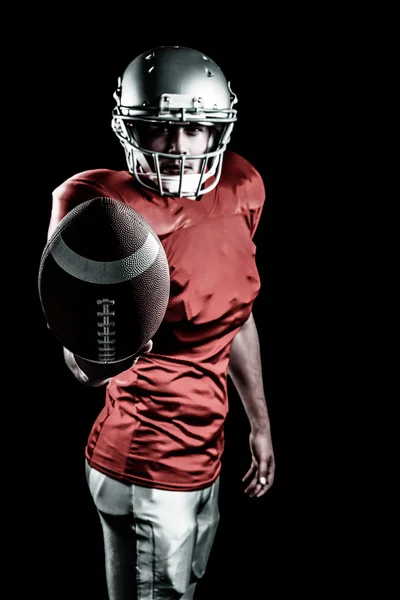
{"type": "Point", "coordinates": [263, 490]}
{"type": "Point", "coordinates": [253, 490]}
{"type": "Point", "coordinates": [148, 347]}
{"type": "Point", "coordinates": [253, 487]}
{"type": "Point", "coordinates": [258, 487]}
{"type": "Point", "coordinates": [249, 472]}
{"type": "Point", "coordinates": [263, 469]}
{"type": "Point", "coordinates": [267, 481]}
{"type": "Point", "coordinates": [266, 471]}
{"type": "Point", "coordinates": [260, 484]}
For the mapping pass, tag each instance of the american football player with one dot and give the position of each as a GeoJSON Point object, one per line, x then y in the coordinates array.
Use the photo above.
{"type": "Point", "coordinates": [153, 456]}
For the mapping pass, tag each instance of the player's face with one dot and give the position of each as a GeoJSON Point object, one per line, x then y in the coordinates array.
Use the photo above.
{"type": "Point", "coordinates": [177, 139]}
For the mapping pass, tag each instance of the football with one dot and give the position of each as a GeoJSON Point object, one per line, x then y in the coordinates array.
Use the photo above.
{"type": "Point", "coordinates": [104, 281]}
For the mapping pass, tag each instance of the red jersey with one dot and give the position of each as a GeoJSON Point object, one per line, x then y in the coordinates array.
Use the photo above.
{"type": "Point", "coordinates": [162, 424]}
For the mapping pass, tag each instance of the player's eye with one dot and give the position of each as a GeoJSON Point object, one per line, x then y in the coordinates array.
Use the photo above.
{"type": "Point", "coordinates": [158, 129]}
{"type": "Point", "coordinates": [194, 129]}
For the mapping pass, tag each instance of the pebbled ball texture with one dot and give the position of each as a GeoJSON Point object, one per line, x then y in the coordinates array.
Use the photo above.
{"type": "Point", "coordinates": [104, 281]}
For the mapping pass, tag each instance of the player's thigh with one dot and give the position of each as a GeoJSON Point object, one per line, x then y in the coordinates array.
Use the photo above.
{"type": "Point", "coordinates": [175, 531]}
{"type": "Point", "coordinates": [207, 520]}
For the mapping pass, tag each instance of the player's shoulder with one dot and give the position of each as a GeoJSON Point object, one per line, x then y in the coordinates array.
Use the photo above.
{"type": "Point", "coordinates": [87, 185]}
{"type": "Point", "coordinates": [234, 160]}
{"type": "Point", "coordinates": [241, 177]}
{"type": "Point", "coordinates": [99, 179]}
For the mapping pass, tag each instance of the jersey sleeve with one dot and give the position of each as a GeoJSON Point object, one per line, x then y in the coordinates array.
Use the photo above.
{"type": "Point", "coordinates": [72, 192]}
{"type": "Point", "coordinates": [255, 201]}
{"type": "Point", "coordinates": [242, 190]}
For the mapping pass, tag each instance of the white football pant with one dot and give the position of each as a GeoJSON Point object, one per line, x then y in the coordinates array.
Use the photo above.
{"type": "Point", "coordinates": [156, 542]}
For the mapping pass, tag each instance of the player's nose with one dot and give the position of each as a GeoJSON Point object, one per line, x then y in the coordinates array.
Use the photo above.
{"type": "Point", "coordinates": [177, 141]}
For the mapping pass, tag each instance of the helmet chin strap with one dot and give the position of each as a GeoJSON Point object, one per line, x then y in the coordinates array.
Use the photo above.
{"type": "Point", "coordinates": [170, 183]}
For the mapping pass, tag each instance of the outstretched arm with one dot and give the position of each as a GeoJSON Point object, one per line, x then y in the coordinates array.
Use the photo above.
{"type": "Point", "coordinates": [245, 371]}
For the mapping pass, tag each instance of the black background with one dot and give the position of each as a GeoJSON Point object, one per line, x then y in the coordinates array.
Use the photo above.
{"type": "Point", "coordinates": [70, 97]}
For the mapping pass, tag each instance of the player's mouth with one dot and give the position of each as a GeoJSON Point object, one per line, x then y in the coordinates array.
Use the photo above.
{"type": "Point", "coordinates": [172, 169]}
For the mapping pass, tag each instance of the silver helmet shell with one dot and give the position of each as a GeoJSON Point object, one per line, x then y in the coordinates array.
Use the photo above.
{"type": "Point", "coordinates": [176, 85]}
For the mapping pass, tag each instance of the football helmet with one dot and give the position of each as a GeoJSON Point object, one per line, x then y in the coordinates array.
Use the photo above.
{"type": "Point", "coordinates": [181, 86]}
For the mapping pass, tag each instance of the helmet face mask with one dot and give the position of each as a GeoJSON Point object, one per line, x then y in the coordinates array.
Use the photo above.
{"type": "Point", "coordinates": [174, 86]}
